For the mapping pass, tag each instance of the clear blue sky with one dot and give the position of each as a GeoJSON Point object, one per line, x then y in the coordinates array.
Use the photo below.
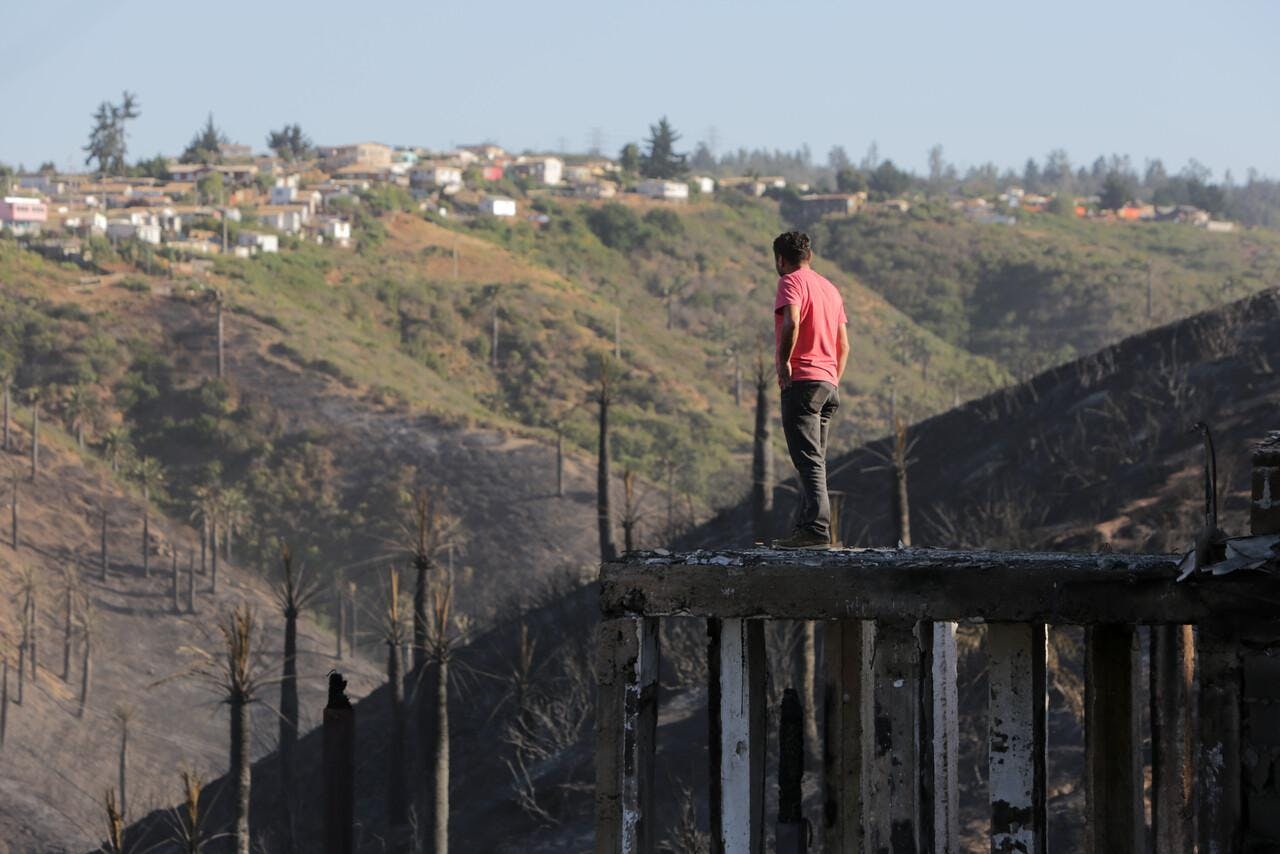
{"type": "Point", "coordinates": [988, 79]}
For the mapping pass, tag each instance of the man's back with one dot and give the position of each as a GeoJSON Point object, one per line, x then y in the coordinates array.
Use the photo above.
{"type": "Point", "coordinates": [822, 314]}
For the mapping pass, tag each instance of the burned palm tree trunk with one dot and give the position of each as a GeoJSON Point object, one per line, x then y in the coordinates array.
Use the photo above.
{"type": "Point", "coordinates": [901, 498]}
{"type": "Point", "coordinates": [440, 805]}
{"type": "Point", "coordinates": [123, 714]}
{"type": "Point", "coordinates": [8, 442]}
{"type": "Point", "coordinates": [341, 621]}
{"type": "Point", "coordinates": [177, 596]}
{"type": "Point", "coordinates": [397, 754]}
{"type": "Point", "coordinates": [421, 566]}
{"type": "Point", "coordinates": [191, 582]}
{"type": "Point", "coordinates": [221, 363]}
{"type": "Point", "coordinates": [240, 769]}
{"type": "Point", "coordinates": [66, 635]}
{"type": "Point", "coordinates": [213, 556]}
{"type": "Point", "coordinates": [191, 820]}
{"type": "Point", "coordinates": [104, 561]}
{"type": "Point", "coordinates": [115, 824]}
{"type": "Point", "coordinates": [35, 627]}
{"type": "Point", "coordinates": [204, 545]}
{"type": "Point", "coordinates": [761, 461]}
{"type": "Point", "coordinates": [351, 617]}
{"type": "Point", "coordinates": [604, 516]}
{"type": "Point", "coordinates": [86, 663]}
{"type": "Point", "coordinates": [289, 717]}
{"type": "Point", "coordinates": [13, 515]}
{"type": "Point", "coordinates": [292, 594]}
{"type": "Point", "coordinates": [4, 697]}
{"type": "Point", "coordinates": [35, 437]}
{"type": "Point", "coordinates": [559, 461]}
{"type": "Point", "coordinates": [630, 512]}
{"type": "Point", "coordinates": [146, 532]}
{"type": "Point", "coordinates": [22, 652]}
{"type": "Point", "coordinates": [397, 787]}
{"type": "Point", "coordinates": [442, 643]}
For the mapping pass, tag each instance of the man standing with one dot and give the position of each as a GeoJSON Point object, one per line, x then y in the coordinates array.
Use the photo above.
{"type": "Point", "coordinates": [812, 349]}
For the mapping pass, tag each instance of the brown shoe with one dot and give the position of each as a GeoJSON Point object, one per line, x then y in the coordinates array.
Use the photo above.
{"type": "Point", "coordinates": [803, 540]}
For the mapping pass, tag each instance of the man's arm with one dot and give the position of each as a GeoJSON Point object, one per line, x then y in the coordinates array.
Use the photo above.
{"type": "Point", "coordinates": [842, 351]}
{"type": "Point", "coordinates": [787, 337]}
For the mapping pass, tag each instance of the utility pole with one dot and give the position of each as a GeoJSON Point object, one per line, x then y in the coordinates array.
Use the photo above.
{"type": "Point", "coordinates": [737, 378]}
{"type": "Point", "coordinates": [1150, 277]}
{"type": "Point", "coordinates": [494, 348]}
{"type": "Point", "coordinates": [218, 297]}
{"type": "Point", "coordinates": [617, 334]}
{"type": "Point", "coordinates": [455, 258]}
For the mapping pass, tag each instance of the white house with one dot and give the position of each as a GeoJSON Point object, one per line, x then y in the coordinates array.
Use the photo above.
{"type": "Point", "coordinates": [656, 188]}
{"type": "Point", "coordinates": [487, 152]}
{"type": "Point", "coordinates": [126, 229]}
{"type": "Point", "coordinates": [597, 189]}
{"type": "Point", "coordinates": [548, 171]}
{"type": "Point", "coordinates": [704, 185]}
{"type": "Point", "coordinates": [368, 154]}
{"type": "Point", "coordinates": [336, 230]}
{"type": "Point", "coordinates": [498, 206]}
{"type": "Point", "coordinates": [287, 218]}
{"type": "Point", "coordinates": [259, 242]}
{"type": "Point", "coordinates": [86, 222]}
{"type": "Point", "coordinates": [437, 175]}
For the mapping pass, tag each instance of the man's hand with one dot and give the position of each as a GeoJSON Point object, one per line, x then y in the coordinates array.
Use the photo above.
{"type": "Point", "coordinates": [784, 375]}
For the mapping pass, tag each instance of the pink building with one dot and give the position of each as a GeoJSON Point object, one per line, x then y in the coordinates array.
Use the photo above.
{"type": "Point", "coordinates": [22, 214]}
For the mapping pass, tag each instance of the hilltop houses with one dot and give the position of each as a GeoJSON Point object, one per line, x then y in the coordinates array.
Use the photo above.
{"type": "Point", "coordinates": [655, 188]}
{"type": "Point", "coordinates": [367, 154]}
{"type": "Point", "coordinates": [23, 214]}
{"type": "Point", "coordinates": [547, 171]}
{"type": "Point", "coordinates": [498, 206]}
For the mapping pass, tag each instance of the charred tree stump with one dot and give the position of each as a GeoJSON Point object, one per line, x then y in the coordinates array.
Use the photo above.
{"type": "Point", "coordinates": [847, 649]}
{"type": "Point", "coordinates": [1219, 783]}
{"type": "Point", "coordinates": [1114, 822]}
{"type": "Point", "coordinates": [1172, 767]}
{"type": "Point", "coordinates": [626, 734]}
{"type": "Point", "coordinates": [792, 832]}
{"type": "Point", "coordinates": [339, 769]}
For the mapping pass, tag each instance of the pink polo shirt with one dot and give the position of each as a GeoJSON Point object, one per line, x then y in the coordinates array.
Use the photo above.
{"type": "Point", "coordinates": [821, 315]}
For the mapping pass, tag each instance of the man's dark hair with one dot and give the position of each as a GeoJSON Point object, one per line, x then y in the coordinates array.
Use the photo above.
{"type": "Point", "coordinates": [793, 247]}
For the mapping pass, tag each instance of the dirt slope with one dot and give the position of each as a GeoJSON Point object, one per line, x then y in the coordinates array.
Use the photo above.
{"type": "Point", "coordinates": [1096, 452]}
{"type": "Point", "coordinates": [56, 763]}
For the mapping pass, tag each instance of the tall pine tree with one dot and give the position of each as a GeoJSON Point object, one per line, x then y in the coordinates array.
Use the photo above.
{"type": "Point", "coordinates": [661, 160]}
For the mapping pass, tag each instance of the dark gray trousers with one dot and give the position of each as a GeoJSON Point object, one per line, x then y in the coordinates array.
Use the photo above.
{"type": "Point", "coordinates": [807, 408]}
